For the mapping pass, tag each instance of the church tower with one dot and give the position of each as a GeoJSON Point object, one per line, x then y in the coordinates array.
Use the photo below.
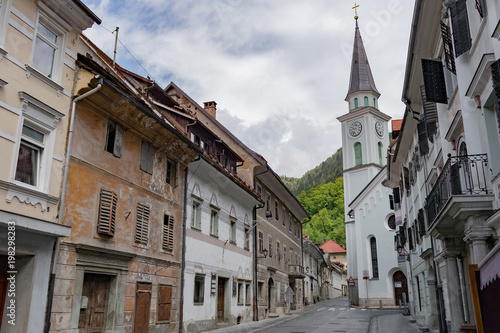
{"type": "Point", "coordinates": [364, 128]}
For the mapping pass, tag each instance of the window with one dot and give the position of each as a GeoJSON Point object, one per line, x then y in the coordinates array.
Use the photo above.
{"type": "Point", "coordinates": [30, 152]}
{"type": "Point", "coordinates": [259, 189]}
{"type": "Point", "coordinates": [232, 236]}
{"type": "Point", "coordinates": [270, 247]}
{"type": "Point", "coordinates": [355, 102]}
{"type": "Point", "coordinates": [460, 25]}
{"type": "Point", "coordinates": [284, 253]}
{"type": "Point", "coordinates": [261, 289]}
{"type": "Point", "coordinates": [241, 293]}
{"type": "Point", "coordinates": [196, 215]}
{"type": "Point", "coordinates": [48, 48]}
{"type": "Point", "coordinates": [199, 289]}
{"type": "Point", "coordinates": [107, 213]}
{"type": "Point", "coordinates": [358, 154]}
{"type": "Point", "coordinates": [147, 157]}
{"type": "Point", "coordinates": [276, 209]}
{"type": "Point", "coordinates": [373, 248]}
{"type": "Point", "coordinates": [392, 222]}
{"type": "Point", "coordinates": [449, 57]}
{"type": "Point", "coordinates": [142, 224]}
{"type": "Point", "coordinates": [248, 296]}
{"type": "Point", "coordinates": [168, 233]}
{"type": "Point", "coordinates": [283, 216]}
{"type": "Point", "coordinates": [247, 238]}
{"type": "Point", "coordinates": [268, 202]}
{"type": "Point", "coordinates": [380, 153]}
{"type": "Point", "coordinates": [434, 82]}
{"type": "Point", "coordinates": [261, 241]}
{"type": "Point", "coordinates": [4, 21]}
{"type": "Point", "coordinates": [114, 136]}
{"type": "Point", "coordinates": [366, 101]}
{"type": "Point", "coordinates": [278, 254]}
{"type": "Point", "coordinates": [164, 302]}
{"type": "Point", "coordinates": [171, 175]}
{"type": "Point", "coordinates": [214, 222]}
{"type": "Point", "coordinates": [374, 103]}
{"type": "Point", "coordinates": [290, 221]}
{"type": "Point", "coordinates": [391, 202]}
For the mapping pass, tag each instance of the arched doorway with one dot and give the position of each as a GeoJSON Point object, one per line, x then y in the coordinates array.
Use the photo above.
{"type": "Point", "coordinates": [400, 286]}
{"type": "Point", "coordinates": [270, 296]}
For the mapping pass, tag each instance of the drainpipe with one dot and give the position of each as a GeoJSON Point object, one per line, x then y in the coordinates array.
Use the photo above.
{"type": "Point", "coordinates": [55, 253]}
{"type": "Point", "coordinates": [183, 246]}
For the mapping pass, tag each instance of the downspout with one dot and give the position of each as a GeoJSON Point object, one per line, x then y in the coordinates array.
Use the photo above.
{"type": "Point", "coordinates": [55, 252]}
{"type": "Point", "coordinates": [183, 245]}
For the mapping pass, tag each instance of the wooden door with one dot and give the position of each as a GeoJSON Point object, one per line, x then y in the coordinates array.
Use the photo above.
{"type": "Point", "coordinates": [142, 307]}
{"type": "Point", "coordinates": [220, 300]}
{"type": "Point", "coordinates": [96, 289]}
{"type": "Point", "coordinates": [3, 284]}
{"type": "Point", "coordinates": [400, 287]}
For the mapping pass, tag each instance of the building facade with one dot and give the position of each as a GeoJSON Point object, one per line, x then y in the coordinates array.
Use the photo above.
{"type": "Point", "coordinates": [37, 69]}
{"type": "Point", "coordinates": [445, 165]}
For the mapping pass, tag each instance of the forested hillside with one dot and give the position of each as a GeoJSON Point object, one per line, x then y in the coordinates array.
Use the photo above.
{"type": "Point", "coordinates": [321, 192]}
{"type": "Point", "coordinates": [327, 171]}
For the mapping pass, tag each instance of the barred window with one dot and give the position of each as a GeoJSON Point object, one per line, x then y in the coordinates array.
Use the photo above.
{"type": "Point", "coordinates": [168, 233]}
{"type": "Point", "coordinates": [107, 213]}
{"type": "Point", "coordinates": [142, 224]}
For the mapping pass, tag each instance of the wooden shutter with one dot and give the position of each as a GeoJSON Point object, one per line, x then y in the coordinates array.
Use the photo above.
{"type": "Point", "coordinates": [495, 76]}
{"type": "Point", "coordinates": [117, 149]}
{"type": "Point", "coordinates": [168, 233]}
{"type": "Point", "coordinates": [164, 302]}
{"type": "Point", "coordinates": [147, 157]}
{"type": "Point", "coordinates": [406, 174]}
{"type": "Point", "coordinates": [460, 24]}
{"type": "Point", "coordinates": [107, 213]}
{"type": "Point", "coordinates": [434, 82]}
{"type": "Point", "coordinates": [422, 139]}
{"type": "Point", "coordinates": [142, 307]}
{"type": "Point", "coordinates": [448, 48]}
{"type": "Point", "coordinates": [142, 224]}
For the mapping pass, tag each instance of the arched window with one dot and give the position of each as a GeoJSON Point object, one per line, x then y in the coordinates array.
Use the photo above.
{"type": "Point", "coordinates": [391, 222]}
{"type": "Point", "coordinates": [380, 153]}
{"type": "Point", "coordinates": [374, 103]}
{"type": "Point", "coordinates": [355, 102]}
{"type": "Point", "coordinates": [366, 101]}
{"type": "Point", "coordinates": [358, 154]}
{"type": "Point", "coordinates": [373, 248]}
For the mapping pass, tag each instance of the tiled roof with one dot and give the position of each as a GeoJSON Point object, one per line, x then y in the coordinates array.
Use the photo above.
{"type": "Point", "coordinates": [332, 247]}
{"type": "Point", "coordinates": [396, 124]}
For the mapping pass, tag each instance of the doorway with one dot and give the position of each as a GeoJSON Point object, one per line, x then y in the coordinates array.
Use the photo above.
{"type": "Point", "coordinates": [221, 298]}
{"type": "Point", "coordinates": [270, 296]}
{"type": "Point", "coordinates": [95, 291]}
{"type": "Point", "coordinates": [400, 287]}
{"type": "Point", "coordinates": [142, 307]}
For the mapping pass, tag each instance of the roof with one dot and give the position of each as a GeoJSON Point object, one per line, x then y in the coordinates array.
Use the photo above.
{"type": "Point", "coordinates": [361, 74]}
{"type": "Point", "coordinates": [332, 247]}
{"type": "Point", "coordinates": [396, 124]}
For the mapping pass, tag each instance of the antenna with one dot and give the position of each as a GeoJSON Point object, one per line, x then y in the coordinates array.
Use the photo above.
{"type": "Point", "coordinates": [116, 42]}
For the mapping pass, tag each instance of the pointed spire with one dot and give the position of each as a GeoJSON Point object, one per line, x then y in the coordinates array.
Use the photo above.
{"type": "Point", "coordinates": [361, 74]}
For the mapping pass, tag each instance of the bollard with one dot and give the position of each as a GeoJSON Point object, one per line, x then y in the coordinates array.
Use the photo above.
{"type": "Point", "coordinates": [380, 303]}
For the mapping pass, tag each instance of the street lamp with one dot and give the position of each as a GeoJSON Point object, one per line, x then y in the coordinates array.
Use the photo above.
{"type": "Point", "coordinates": [264, 252]}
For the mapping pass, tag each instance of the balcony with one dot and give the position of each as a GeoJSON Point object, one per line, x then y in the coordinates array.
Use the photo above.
{"type": "Point", "coordinates": [462, 188]}
{"type": "Point", "coordinates": [296, 271]}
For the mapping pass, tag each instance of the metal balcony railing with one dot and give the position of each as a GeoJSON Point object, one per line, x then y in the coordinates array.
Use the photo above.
{"type": "Point", "coordinates": [461, 176]}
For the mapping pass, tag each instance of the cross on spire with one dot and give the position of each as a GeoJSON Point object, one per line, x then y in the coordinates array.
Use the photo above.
{"type": "Point", "coordinates": [355, 11]}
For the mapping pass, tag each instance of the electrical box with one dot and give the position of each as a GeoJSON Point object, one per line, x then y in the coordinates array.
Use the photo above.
{"type": "Point", "coordinates": [84, 303]}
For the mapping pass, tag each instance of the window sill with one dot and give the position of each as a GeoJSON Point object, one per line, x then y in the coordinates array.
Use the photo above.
{"type": "Point", "coordinates": [196, 228]}
{"type": "Point", "coordinates": [141, 246]}
{"type": "Point", "coordinates": [240, 304]}
{"type": "Point", "coordinates": [28, 194]}
{"type": "Point", "coordinates": [232, 242]}
{"type": "Point", "coordinates": [3, 52]}
{"type": "Point", "coordinates": [197, 304]}
{"type": "Point", "coordinates": [214, 236]}
{"type": "Point", "coordinates": [32, 71]}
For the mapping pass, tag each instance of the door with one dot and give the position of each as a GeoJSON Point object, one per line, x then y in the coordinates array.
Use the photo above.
{"type": "Point", "coordinates": [400, 287]}
{"type": "Point", "coordinates": [270, 296]}
{"type": "Point", "coordinates": [220, 300]}
{"type": "Point", "coordinates": [142, 307]}
{"type": "Point", "coordinates": [95, 291]}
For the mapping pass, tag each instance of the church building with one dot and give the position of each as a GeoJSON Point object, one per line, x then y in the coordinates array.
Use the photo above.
{"type": "Point", "coordinates": [370, 220]}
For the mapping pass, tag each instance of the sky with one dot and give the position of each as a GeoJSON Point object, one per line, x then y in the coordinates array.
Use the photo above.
{"type": "Point", "coordinates": [278, 69]}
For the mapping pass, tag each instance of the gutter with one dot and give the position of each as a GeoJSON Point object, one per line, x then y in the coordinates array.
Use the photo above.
{"type": "Point", "coordinates": [55, 252]}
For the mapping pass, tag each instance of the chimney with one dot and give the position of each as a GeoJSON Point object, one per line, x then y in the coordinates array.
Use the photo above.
{"type": "Point", "coordinates": [211, 108]}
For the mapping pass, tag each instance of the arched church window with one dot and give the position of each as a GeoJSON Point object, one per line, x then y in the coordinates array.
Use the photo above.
{"type": "Point", "coordinates": [366, 101]}
{"type": "Point", "coordinates": [391, 222]}
{"type": "Point", "coordinates": [380, 153]}
{"type": "Point", "coordinates": [358, 154]}
{"type": "Point", "coordinates": [355, 102]}
{"type": "Point", "coordinates": [373, 248]}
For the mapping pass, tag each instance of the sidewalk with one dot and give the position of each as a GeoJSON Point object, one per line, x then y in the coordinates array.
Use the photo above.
{"type": "Point", "coordinates": [257, 326]}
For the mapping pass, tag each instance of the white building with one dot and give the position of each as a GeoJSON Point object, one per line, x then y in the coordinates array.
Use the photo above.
{"type": "Point", "coordinates": [370, 221]}
{"type": "Point", "coordinates": [313, 258]}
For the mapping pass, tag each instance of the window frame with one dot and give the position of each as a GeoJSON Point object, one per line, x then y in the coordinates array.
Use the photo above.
{"type": "Point", "coordinates": [173, 167]}
{"type": "Point", "coordinates": [117, 140]}
{"type": "Point", "coordinates": [4, 22]}
{"type": "Point", "coordinates": [147, 157]}
{"type": "Point", "coordinates": [200, 298]}
{"type": "Point", "coordinates": [195, 217]}
{"type": "Point", "coordinates": [240, 298]}
{"type": "Point", "coordinates": [247, 238]}
{"type": "Point", "coordinates": [168, 232]}
{"type": "Point", "coordinates": [232, 230]}
{"type": "Point", "coordinates": [159, 303]}
{"type": "Point", "coordinates": [248, 293]}
{"type": "Point", "coordinates": [214, 222]}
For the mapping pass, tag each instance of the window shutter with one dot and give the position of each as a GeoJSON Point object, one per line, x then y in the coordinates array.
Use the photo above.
{"type": "Point", "coordinates": [107, 213]}
{"type": "Point", "coordinates": [406, 173]}
{"type": "Point", "coordinates": [460, 24]}
{"type": "Point", "coordinates": [495, 76]}
{"type": "Point", "coordinates": [422, 139]}
{"type": "Point", "coordinates": [151, 158]}
{"type": "Point", "coordinates": [434, 82]}
{"type": "Point", "coordinates": [430, 115]}
{"type": "Point", "coordinates": [448, 48]}
{"type": "Point", "coordinates": [410, 238]}
{"type": "Point", "coordinates": [164, 302]}
{"type": "Point", "coordinates": [142, 224]}
{"type": "Point", "coordinates": [176, 176]}
{"type": "Point", "coordinates": [411, 175]}
{"type": "Point", "coordinates": [168, 233]}
{"type": "Point", "coordinates": [144, 156]}
{"type": "Point", "coordinates": [421, 222]}
{"type": "Point", "coordinates": [480, 6]}
{"type": "Point", "coordinates": [117, 151]}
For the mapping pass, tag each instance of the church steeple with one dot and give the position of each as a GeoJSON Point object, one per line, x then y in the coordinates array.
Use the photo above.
{"type": "Point", "coordinates": [361, 82]}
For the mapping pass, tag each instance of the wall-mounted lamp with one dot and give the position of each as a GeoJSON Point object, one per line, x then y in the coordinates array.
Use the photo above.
{"type": "Point", "coordinates": [264, 252]}
{"type": "Point", "coordinates": [351, 214]}
{"type": "Point", "coordinates": [269, 214]}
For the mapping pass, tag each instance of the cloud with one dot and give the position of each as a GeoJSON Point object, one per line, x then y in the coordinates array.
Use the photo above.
{"type": "Point", "coordinates": [280, 62]}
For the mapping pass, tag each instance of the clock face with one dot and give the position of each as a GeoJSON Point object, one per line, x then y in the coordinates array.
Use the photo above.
{"type": "Point", "coordinates": [379, 128]}
{"type": "Point", "coordinates": [355, 128]}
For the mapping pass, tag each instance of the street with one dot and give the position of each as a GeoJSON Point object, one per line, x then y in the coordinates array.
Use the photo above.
{"type": "Point", "coordinates": [337, 316]}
